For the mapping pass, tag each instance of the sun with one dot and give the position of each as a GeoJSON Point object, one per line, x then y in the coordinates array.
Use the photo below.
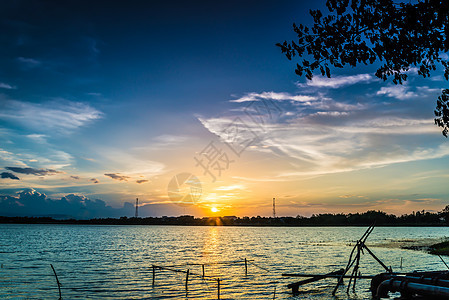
{"type": "Point", "coordinates": [214, 209]}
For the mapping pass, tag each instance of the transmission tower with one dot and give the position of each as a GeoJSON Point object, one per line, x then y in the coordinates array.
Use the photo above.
{"type": "Point", "coordinates": [137, 207]}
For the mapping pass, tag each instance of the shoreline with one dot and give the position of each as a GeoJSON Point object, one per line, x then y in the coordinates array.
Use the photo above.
{"type": "Point", "coordinates": [82, 222]}
{"type": "Point", "coordinates": [430, 245]}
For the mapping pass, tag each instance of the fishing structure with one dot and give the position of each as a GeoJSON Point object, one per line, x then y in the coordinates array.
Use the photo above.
{"type": "Point", "coordinates": [414, 285]}
{"type": "Point", "coordinates": [175, 268]}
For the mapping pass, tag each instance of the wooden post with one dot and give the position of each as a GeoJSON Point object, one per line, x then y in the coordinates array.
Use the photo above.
{"type": "Point", "coordinates": [401, 263]}
{"type": "Point", "coordinates": [203, 270]}
{"type": "Point", "coordinates": [187, 278]}
{"type": "Point", "coordinates": [154, 274]}
{"type": "Point", "coordinates": [218, 288]}
{"type": "Point", "coordinates": [246, 267]}
{"type": "Point", "coordinates": [274, 295]}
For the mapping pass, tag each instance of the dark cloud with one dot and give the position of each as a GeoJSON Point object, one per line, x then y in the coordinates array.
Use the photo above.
{"type": "Point", "coordinates": [33, 171]}
{"type": "Point", "coordinates": [75, 177]}
{"type": "Point", "coordinates": [9, 175]}
{"type": "Point", "coordinates": [32, 203]}
{"type": "Point", "coordinates": [117, 176]}
{"type": "Point", "coordinates": [94, 180]}
{"type": "Point", "coordinates": [141, 181]}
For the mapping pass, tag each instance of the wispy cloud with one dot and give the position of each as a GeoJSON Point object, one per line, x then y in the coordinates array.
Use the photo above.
{"type": "Point", "coordinates": [274, 96]}
{"type": "Point", "coordinates": [94, 180]}
{"type": "Point", "coordinates": [231, 187]}
{"type": "Point", "coordinates": [135, 164]}
{"type": "Point", "coordinates": [61, 115]}
{"type": "Point", "coordinates": [6, 86]}
{"type": "Point", "coordinates": [29, 63]}
{"type": "Point", "coordinates": [38, 138]}
{"type": "Point", "coordinates": [117, 176]}
{"type": "Point", "coordinates": [141, 181]}
{"type": "Point", "coordinates": [401, 92]}
{"type": "Point", "coordinates": [405, 91]}
{"type": "Point", "coordinates": [337, 81]}
{"type": "Point", "coordinates": [94, 94]}
{"type": "Point", "coordinates": [32, 150]}
{"type": "Point", "coordinates": [325, 136]}
{"type": "Point", "coordinates": [32, 171]}
{"type": "Point", "coordinates": [9, 175]}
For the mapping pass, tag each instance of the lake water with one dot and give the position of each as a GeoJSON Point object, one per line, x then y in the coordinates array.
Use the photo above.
{"type": "Point", "coordinates": [115, 262]}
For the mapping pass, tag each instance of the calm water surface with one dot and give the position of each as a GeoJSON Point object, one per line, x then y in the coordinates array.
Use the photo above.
{"type": "Point", "coordinates": [114, 262]}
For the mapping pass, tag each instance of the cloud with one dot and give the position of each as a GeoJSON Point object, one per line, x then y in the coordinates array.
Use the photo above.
{"type": "Point", "coordinates": [160, 143]}
{"type": "Point", "coordinates": [331, 113]}
{"type": "Point", "coordinates": [117, 176]}
{"type": "Point", "coordinates": [32, 203]}
{"type": "Point", "coordinates": [135, 164]}
{"type": "Point", "coordinates": [38, 138]}
{"type": "Point", "coordinates": [20, 150]}
{"type": "Point", "coordinates": [401, 92]}
{"type": "Point", "coordinates": [6, 86]}
{"type": "Point", "coordinates": [60, 114]}
{"type": "Point", "coordinates": [326, 136]}
{"type": "Point", "coordinates": [94, 180]}
{"type": "Point", "coordinates": [337, 81]}
{"type": "Point", "coordinates": [33, 171]}
{"type": "Point", "coordinates": [75, 177]}
{"type": "Point", "coordinates": [231, 187]}
{"type": "Point", "coordinates": [29, 63]}
{"type": "Point", "coordinates": [141, 181]}
{"type": "Point", "coordinates": [405, 92]}
{"type": "Point", "coordinates": [426, 89]}
{"type": "Point", "coordinates": [9, 175]}
{"type": "Point", "coordinates": [274, 96]}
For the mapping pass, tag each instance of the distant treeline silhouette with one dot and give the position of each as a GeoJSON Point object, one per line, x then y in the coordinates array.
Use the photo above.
{"type": "Point", "coordinates": [418, 218]}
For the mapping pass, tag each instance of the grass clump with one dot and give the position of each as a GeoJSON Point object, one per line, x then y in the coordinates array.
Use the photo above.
{"type": "Point", "coordinates": [440, 248]}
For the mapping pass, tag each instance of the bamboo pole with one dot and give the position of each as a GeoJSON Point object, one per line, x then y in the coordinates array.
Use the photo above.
{"type": "Point", "coordinates": [246, 268]}
{"type": "Point", "coordinates": [295, 286]}
{"type": "Point", "coordinates": [57, 281]}
{"type": "Point", "coordinates": [154, 274]}
{"type": "Point", "coordinates": [378, 260]}
{"type": "Point", "coordinates": [355, 270]}
{"type": "Point", "coordinates": [443, 261]}
{"type": "Point", "coordinates": [187, 278]}
{"type": "Point", "coordinates": [330, 276]}
{"type": "Point", "coordinates": [218, 288]}
{"type": "Point", "coordinates": [203, 270]}
{"type": "Point", "coordinates": [360, 243]}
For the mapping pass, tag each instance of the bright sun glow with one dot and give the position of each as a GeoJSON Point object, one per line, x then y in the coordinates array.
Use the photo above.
{"type": "Point", "coordinates": [214, 209]}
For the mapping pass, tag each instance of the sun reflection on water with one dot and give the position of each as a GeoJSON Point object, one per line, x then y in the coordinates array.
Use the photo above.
{"type": "Point", "coordinates": [211, 243]}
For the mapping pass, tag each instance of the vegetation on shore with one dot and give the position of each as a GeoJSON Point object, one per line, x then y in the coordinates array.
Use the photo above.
{"type": "Point", "coordinates": [440, 248]}
{"type": "Point", "coordinates": [419, 218]}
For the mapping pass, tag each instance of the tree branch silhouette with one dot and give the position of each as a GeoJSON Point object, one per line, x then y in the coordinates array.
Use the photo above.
{"type": "Point", "coordinates": [398, 35]}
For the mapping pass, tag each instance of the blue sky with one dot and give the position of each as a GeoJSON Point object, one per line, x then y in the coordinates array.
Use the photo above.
{"type": "Point", "coordinates": [110, 101]}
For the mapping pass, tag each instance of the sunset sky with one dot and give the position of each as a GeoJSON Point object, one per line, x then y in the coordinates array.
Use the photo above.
{"type": "Point", "coordinates": [103, 102]}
